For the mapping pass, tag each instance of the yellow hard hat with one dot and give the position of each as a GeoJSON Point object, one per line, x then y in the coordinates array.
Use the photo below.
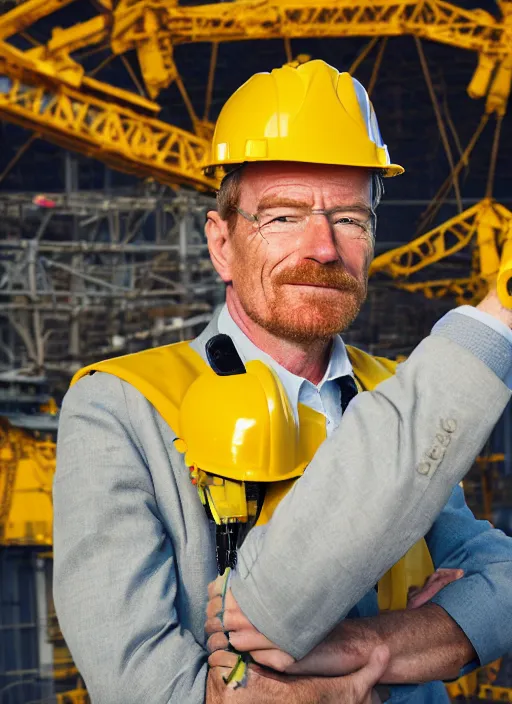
{"type": "Point", "coordinates": [311, 113]}
{"type": "Point", "coordinates": [240, 427]}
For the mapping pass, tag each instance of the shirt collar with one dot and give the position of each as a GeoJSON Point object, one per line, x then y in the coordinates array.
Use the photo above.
{"type": "Point", "coordinates": [339, 363]}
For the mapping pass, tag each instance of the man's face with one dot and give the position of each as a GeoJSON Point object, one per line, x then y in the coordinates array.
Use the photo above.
{"type": "Point", "coordinates": [299, 274]}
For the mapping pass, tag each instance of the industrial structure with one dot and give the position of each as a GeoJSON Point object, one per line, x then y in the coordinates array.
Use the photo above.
{"type": "Point", "coordinates": [107, 111]}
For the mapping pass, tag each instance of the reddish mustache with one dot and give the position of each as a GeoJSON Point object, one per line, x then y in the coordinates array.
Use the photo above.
{"type": "Point", "coordinates": [309, 274]}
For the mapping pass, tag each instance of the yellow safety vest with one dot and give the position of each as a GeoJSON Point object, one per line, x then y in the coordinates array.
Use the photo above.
{"type": "Point", "coordinates": [164, 374]}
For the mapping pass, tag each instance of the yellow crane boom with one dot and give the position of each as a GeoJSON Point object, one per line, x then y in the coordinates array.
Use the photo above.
{"type": "Point", "coordinates": [439, 21]}
{"type": "Point", "coordinates": [107, 126]}
{"type": "Point", "coordinates": [264, 19]}
{"type": "Point", "coordinates": [45, 89]}
{"type": "Point", "coordinates": [153, 29]}
{"type": "Point", "coordinates": [486, 228]}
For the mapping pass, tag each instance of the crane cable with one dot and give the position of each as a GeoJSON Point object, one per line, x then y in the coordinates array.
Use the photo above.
{"type": "Point", "coordinates": [362, 55]}
{"type": "Point", "coordinates": [288, 49]}
{"type": "Point", "coordinates": [442, 192]}
{"type": "Point", "coordinates": [138, 85]}
{"type": "Point", "coordinates": [211, 78]}
{"type": "Point", "coordinates": [494, 157]}
{"type": "Point", "coordinates": [376, 66]}
{"type": "Point", "coordinates": [440, 123]}
{"type": "Point", "coordinates": [186, 99]}
{"type": "Point", "coordinates": [451, 124]}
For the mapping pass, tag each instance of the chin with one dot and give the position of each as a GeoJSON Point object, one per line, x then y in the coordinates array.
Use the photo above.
{"type": "Point", "coordinates": [309, 322]}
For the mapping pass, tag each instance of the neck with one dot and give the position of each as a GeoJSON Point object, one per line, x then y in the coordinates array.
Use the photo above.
{"type": "Point", "coordinates": [308, 360]}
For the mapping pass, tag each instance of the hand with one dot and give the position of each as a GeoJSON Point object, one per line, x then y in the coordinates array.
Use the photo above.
{"type": "Point", "coordinates": [243, 636]}
{"type": "Point", "coordinates": [441, 578]}
{"type": "Point", "coordinates": [491, 305]}
{"type": "Point", "coordinates": [265, 687]}
{"type": "Point", "coordinates": [356, 688]}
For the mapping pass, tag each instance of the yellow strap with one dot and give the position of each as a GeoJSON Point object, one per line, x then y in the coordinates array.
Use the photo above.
{"type": "Point", "coordinates": [164, 374]}
{"type": "Point", "coordinates": [238, 675]}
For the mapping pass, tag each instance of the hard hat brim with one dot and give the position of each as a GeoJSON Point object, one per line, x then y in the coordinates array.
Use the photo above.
{"type": "Point", "coordinates": [226, 167]}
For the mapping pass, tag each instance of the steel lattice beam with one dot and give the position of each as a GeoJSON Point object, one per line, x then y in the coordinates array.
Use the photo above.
{"type": "Point", "coordinates": [106, 130]}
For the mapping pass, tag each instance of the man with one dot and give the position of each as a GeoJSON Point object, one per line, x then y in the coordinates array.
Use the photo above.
{"type": "Point", "coordinates": [292, 239]}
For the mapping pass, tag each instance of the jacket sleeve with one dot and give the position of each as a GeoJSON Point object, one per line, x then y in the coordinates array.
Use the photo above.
{"type": "Point", "coordinates": [480, 602]}
{"type": "Point", "coordinates": [114, 569]}
{"type": "Point", "coordinates": [374, 488]}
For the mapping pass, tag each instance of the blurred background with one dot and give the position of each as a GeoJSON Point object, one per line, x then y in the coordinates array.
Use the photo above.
{"type": "Point", "coordinates": [106, 109]}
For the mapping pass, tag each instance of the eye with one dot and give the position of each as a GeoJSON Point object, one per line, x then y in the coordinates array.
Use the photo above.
{"type": "Point", "coordinates": [346, 221]}
{"type": "Point", "coordinates": [283, 218]}
{"type": "Point", "coordinates": [279, 220]}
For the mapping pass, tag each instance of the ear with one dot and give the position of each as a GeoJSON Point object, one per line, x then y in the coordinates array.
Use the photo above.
{"type": "Point", "coordinates": [219, 245]}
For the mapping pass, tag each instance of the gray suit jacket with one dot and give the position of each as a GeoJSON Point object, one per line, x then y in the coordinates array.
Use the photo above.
{"type": "Point", "coordinates": [134, 551]}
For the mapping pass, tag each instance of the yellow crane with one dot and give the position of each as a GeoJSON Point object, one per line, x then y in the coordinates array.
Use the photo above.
{"type": "Point", "coordinates": [45, 89]}
{"type": "Point", "coordinates": [110, 124]}
{"type": "Point", "coordinates": [153, 29]}
{"type": "Point", "coordinates": [485, 230]}
{"type": "Point", "coordinates": [27, 465]}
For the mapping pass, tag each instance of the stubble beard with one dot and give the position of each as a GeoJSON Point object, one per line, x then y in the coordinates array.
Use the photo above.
{"type": "Point", "coordinates": [307, 316]}
{"type": "Point", "coordinates": [310, 320]}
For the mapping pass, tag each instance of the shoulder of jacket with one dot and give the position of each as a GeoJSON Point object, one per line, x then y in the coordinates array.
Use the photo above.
{"type": "Point", "coordinates": [161, 374]}
{"type": "Point", "coordinates": [100, 388]}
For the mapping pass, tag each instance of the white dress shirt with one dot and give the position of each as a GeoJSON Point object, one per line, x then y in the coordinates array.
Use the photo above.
{"type": "Point", "coordinates": [324, 398]}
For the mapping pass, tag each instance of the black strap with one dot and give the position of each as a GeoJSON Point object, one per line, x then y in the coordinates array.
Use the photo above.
{"type": "Point", "coordinates": [223, 356]}
{"type": "Point", "coordinates": [348, 390]}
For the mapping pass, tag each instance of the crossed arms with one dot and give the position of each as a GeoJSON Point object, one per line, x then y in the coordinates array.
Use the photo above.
{"type": "Point", "coordinates": [108, 525]}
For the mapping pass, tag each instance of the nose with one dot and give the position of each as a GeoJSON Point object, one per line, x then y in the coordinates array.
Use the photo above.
{"type": "Point", "coordinates": [318, 241]}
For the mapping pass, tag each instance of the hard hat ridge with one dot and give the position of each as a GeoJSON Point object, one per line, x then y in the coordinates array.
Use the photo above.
{"type": "Point", "coordinates": [311, 113]}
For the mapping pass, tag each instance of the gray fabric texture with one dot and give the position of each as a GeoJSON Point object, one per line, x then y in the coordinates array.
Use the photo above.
{"type": "Point", "coordinates": [134, 551]}
{"type": "Point", "coordinates": [491, 347]}
{"type": "Point", "coordinates": [389, 437]}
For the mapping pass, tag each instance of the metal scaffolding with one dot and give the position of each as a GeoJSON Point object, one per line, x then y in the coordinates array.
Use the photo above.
{"type": "Point", "coordinates": [88, 274]}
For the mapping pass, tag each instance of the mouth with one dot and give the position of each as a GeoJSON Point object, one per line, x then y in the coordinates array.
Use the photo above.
{"type": "Point", "coordinates": [310, 285]}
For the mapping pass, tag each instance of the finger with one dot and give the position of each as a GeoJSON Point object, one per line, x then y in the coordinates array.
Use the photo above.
{"type": "Point", "coordinates": [213, 625]}
{"type": "Point", "coordinates": [223, 658]}
{"type": "Point", "coordinates": [214, 607]}
{"type": "Point", "coordinates": [364, 680]}
{"type": "Point", "coordinates": [216, 588]}
{"type": "Point", "coordinates": [436, 581]}
{"type": "Point", "coordinates": [444, 574]}
{"type": "Point", "coordinates": [218, 641]}
{"type": "Point", "coordinates": [275, 659]}
{"type": "Point", "coordinates": [458, 573]}
{"type": "Point", "coordinates": [252, 639]}
{"type": "Point", "coordinates": [433, 586]}
{"type": "Point", "coordinates": [234, 620]}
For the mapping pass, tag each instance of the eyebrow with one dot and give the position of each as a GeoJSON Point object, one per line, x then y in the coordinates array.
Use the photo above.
{"type": "Point", "coordinates": [269, 202]}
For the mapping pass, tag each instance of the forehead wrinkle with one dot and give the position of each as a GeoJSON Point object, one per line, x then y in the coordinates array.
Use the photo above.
{"type": "Point", "coordinates": [313, 190]}
{"type": "Point", "coordinates": [302, 190]}
{"type": "Point", "coordinates": [358, 206]}
{"type": "Point", "coordinates": [323, 192]}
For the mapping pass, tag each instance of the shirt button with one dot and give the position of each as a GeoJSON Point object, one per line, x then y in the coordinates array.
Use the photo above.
{"type": "Point", "coordinates": [449, 424]}
{"type": "Point", "coordinates": [424, 467]}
